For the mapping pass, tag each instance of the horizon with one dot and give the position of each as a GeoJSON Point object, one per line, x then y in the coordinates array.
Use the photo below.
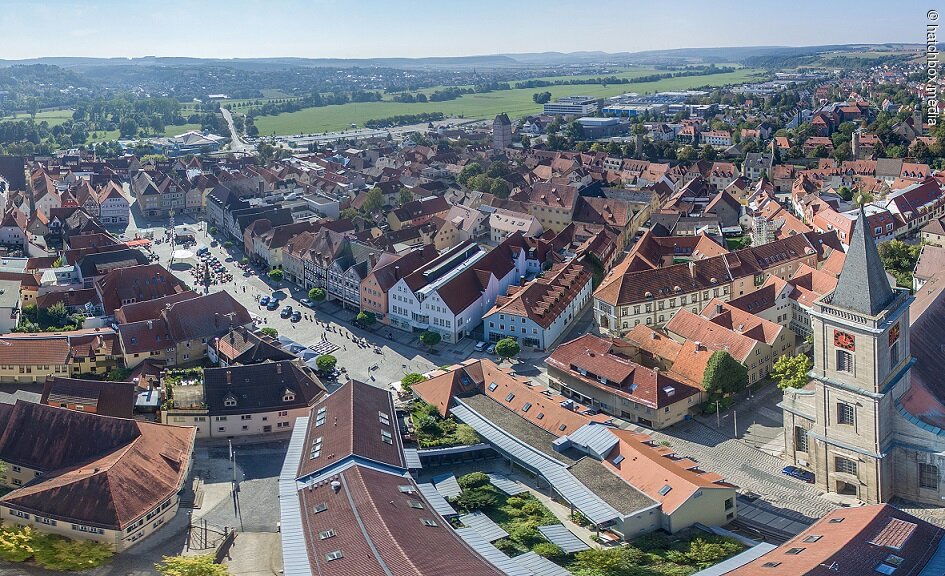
{"type": "Point", "coordinates": [406, 29]}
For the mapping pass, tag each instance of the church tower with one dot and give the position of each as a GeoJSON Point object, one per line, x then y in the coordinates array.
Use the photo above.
{"type": "Point", "coordinates": [842, 424]}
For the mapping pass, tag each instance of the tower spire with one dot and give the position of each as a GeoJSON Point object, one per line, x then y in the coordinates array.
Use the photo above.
{"type": "Point", "coordinates": [863, 286]}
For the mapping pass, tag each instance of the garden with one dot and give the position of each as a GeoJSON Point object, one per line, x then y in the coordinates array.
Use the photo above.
{"type": "Point", "coordinates": [654, 554]}
{"type": "Point", "coordinates": [435, 431]}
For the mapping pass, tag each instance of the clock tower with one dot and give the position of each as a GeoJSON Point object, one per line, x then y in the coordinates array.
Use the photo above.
{"type": "Point", "coordinates": [842, 424]}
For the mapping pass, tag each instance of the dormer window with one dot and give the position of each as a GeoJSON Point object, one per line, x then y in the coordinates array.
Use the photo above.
{"type": "Point", "coordinates": [229, 401]}
{"type": "Point", "coordinates": [288, 396]}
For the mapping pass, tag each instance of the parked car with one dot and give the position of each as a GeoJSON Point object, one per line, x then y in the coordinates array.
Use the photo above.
{"type": "Point", "coordinates": [491, 349]}
{"type": "Point", "coordinates": [799, 473]}
{"type": "Point", "coordinates": [286, 312]}
{"type": "Point", "coordinates": [296, 316]}
{"type": "Point", "coordinates": [273, 305]}
{"type": "Point", "coordinates": [264, 301]}
{"type": "Point", "coordinates": [480, 346]}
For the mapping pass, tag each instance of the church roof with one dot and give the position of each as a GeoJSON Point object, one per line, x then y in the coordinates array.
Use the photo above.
{"type": "Point", "coordinates": [863, 286]}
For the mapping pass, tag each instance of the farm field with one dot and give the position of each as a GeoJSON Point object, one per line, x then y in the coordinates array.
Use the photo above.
{"type": "Point", "coordinates": [53, 117]}
{"type": "Point", "coordinates": [474, 106]}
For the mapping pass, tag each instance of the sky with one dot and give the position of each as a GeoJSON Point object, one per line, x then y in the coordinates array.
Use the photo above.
{"type": "Point", "coordinates": [418, 28]}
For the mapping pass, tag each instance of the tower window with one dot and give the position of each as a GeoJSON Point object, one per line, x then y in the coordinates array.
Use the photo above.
{"type": "Point", "coordinates": [845, 413]}
{"type": "Point", "coordinates": [928, 476]}
{"type": "Point", "coordinates": [894, 354]}
{"type": "Point", "coordinates": [845, 465]}
{"type": "Point", "coordinates": [844, 361]}
{"type": "Point", "coordinates": [800, 439]}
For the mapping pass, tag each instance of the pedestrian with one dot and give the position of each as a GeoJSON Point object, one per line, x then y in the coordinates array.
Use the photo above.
{"type": "Point", "coordinates": [345, 348]}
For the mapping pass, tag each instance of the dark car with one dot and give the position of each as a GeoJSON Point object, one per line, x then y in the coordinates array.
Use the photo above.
{"type": "Point", "coordinates": [286, 312]}
{"type": "Point", "coordinates": [264, 301]}
{"type": "Point", "coordinates": [273, 305]}
{"type": "Point", "coordinates": [799, 473]}
{"type": "Point", "coordinates": [296, 316]}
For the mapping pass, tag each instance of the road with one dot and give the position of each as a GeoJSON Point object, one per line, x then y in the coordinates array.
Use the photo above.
{"type": "Point", "coordinates": [236, 143]}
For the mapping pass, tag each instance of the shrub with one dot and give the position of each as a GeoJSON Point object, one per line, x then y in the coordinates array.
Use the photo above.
{"type": "Point", "coordinates": [16, 544]}
{"type": "Point", "coordinates": [269, 331]}
{"type": "Point", "coordinates": [532, 507]}
{"type": "Point", "coordinates": [505, 545]}
{"type": "Point", "coordinates": [476, 499]}
{"type": "Point", "coordinates": [548, 550]}
{"type": "Point", "coordinates": [466, 435]}
{"type": "Point", "coordinates": [276, 275]}
{"type": "Point", "coordinates": [366, 318]}
{"type": "Point", "coordinates": [580, 519]}
{"type": "Point", "coordinates": [515, 501]}
{"type": "Point", "coordinates": [507, 348]}
{"type": "Point", "coordinates": [213, 230]}
{"type": "Point", "coordinates": [228, 244]}
{"type": "Point", "coordinates": [190, 566]}
{"type": "Point", "coordinates": [710, 550]}
{"type": "Point", "coordinates": [316, 294]}
{"type": "Point", "coordinates": [473, 480]}
{"type": "Point", "coordinates": [244, 260]}
{"type": "Point", "coordinates": [64, 555]}
{"type": "Point", "coordinates": [430, 338]}
{"type": "Point", "coordinates": [410, 379]}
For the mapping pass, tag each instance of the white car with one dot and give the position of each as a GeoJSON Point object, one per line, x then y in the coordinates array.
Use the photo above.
{"type": "Point", "coordinates": [480, 346]}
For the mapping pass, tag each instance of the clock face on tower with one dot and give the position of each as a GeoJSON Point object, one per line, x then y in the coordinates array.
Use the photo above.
{"type": "Point", "coordinates": [844, 340]}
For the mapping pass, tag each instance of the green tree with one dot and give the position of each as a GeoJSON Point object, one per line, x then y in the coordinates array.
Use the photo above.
{"type": "Point", "coordinates": [686, 154]}
{"type": "Point", "coordinates": [602, 561]}
{"type": "Point", "coordinates": [190, 566]}
{"type": "Point", "coordinates": [405, 195]}
{"type": "Point", "coordinates": [708, 153]}
{"type": "Point", "coordinates": [326, 363]}
{"type": "Point", "coordinates": [499, 188]}
{"type": "Point", "coordinates": [548, 550]}
{"type": "Point", "coordinates": [507, 348]}
{"type": "Point", "coordinates": [791, 371]}
{"type": "Point", "coordinates": [473, 480]}
{"type": "Point", "coordinates": [468, 171]}
{"type": "Point", "coordinates": [366, 318]}
{"type": "Point", "coordinates": [276, 275]}
{"type": "Point", "coordinates": [316, 294]}
{"type": "Point", "coordinates": [899, 259]}
{"type": "Point", "coordinates": [476, 499]}
{"type": "Point", "coordinates": [410, 379]}
{"type": "Point", "coordinates": [845, 193]}
{"type": "Point", "coordinates": [65, 555]}
{"type": "Point", "coordinates": [574, 131]}
{"type": "Point", "coordinates": [373, 200]}
{"type": "Point", "coordinates": [430, 338]}
{"type": "Point", "coordinates": [724, 374]}
{"type": "Point", "coordinates": [269, 331]}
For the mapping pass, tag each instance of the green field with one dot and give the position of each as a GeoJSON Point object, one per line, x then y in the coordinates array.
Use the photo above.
{"type": "Point", "coordinates": [53, 117]}
{"type": "Point", "coordinates": [474, 106]}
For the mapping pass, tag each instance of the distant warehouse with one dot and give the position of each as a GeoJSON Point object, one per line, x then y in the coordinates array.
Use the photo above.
{"type": "Point", "coordinates": [572, 106]}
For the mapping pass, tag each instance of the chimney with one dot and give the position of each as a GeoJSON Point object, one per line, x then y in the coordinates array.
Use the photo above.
{"type": "Point", "coordinates": [397, 272]}
{"type": "Point", "coordinates": [692, 268]}
{"type": "Point", "coordinates": [698, 345]}
{"type": "Point", "coordinates": [229, 376]}
{"type": "Point", "coordinates": [336, 486]}
{"type": "Point", "coordinates": [278, 367]}
{"type": "Point", "coordinates": [718, 308]}
{"type": "Point", "coordinates": [150, 324]}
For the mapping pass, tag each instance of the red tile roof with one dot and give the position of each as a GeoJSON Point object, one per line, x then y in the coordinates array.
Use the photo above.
{"type": "Point", "coordinates": [544, 299]}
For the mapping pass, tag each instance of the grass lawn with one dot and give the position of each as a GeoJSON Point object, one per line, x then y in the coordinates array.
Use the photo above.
{"type": "Point", "coordinates": [53, 117]}
{"type": "Point", "coordinates": [435, 431]}
{"type": "Point", "coordinates": [474, 106]}
{"type": "Point", "coordinates": [738, 242]}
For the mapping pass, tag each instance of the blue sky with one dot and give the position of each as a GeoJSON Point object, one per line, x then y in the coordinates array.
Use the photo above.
{"type": "Point", "coordinates": [376, 28]}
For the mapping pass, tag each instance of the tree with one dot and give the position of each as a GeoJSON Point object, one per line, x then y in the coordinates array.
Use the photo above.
{"type": "Point", "coordinates": [686, 154]}
{"type": "Point", "coordinates": [708, 153]}
{"type": "Point", "coordinates": [276, 275]}
{"type": "Point", "coordinates": [213, 230]}
{"type": "Point", "coordinates": [269, 331]}
{"type": "Point", "coordinates": [574, 131]}
{"type": "Point", "coordinates": [548, 550]}
{"type": "Point", "coordinates": [326, 363]}
{"type": "Point", "coordinates": [191, 566]}
{"type": "Point", "coordinates": [473, 480]}
{"type": "Point", "coordinates": [468, 171]}
{"type": "Point", "coordinates": [724, 374]}
{"type": "Point", "coordinates": [900, 259]}
{"type": "Point", "coordinates": [791, 371]}
{"type": "Point", "coordinates": [476, 499]}
{"type": "Point", "coordinates": [316, 294]}
{"type": "Point", "coordinates": [430, 338]}
{"type": "Point", "coordinates": [405, 195]}
{"type": "Point", "coordinates": [373, 200]}
{"type": "Point", "coordinates": [366, 318]}
{"type": "Point", "coordinates": [499, 188]}
{"type": "Point", "coordinates": [507, 348]}
{"type": "Point", "coordinates": [410, 379]}
{"type": "Point", "coordinates": [541, 97]}
{"type": "Point", "coordinates": [845, 193]}
{"type": "Point", "coordinates": [603, 561]}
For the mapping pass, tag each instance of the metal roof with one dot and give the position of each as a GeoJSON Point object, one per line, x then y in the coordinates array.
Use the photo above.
{"type": "Point", "coordinates": [412, 459]}
{"type": "Point", "coordinates": [936, 566]}
{"type": "Point", "coordinates": [506, 484]}
{"type": "Point", "coordinates": [484, 525]}
{"type": "Point", "coordinates": [294, 549]}
{"type": "Point", "coordinates": [595, 439]}
{"type": "Point", "coordinates": [564, 483]}
{"type": "Point", "coordinates": [492, 554]}
{"type": "Point", "coordinates": [739, 560]}
{"type": "Point", "coordinates": [539, 565]}
{"type": "Point", "coordinates": [446, 485]}
{"type": "Point", "coordinates": [559, 535]}
{"type": "Point", "coordinates": [862, 286]}
{"type": "Point", "coordinates": [440, 505]}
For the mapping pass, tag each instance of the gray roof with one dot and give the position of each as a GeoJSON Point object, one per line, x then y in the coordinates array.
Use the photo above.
{"type": "Point", "coordinates": [539, 565]}
{"type": "Point", "coordinates": [294, 550]}
{"type": "Point", "coordinates": [863, 286]}
{"type": "Point", "coordinates": [439, 503]}
{"type": "Point", "coordinates": [593, 438]}
{"type": "Point", "coordinates": [506, 484]}
{"type": "Point", "coordinates": [559, 535]}
{"type": "Point", "coordinates": [412, 458]}
{"type": "Point", "coordinates": [740, 560]}
{"type": "Point", "coordinates": [446, 485]}
{"type": "Point", "coordinates": [492, 554]}
{"type": "Point", "coordinates": [484, 525]}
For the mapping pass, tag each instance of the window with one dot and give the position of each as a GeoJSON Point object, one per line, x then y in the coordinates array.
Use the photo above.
{"type": "Point", "coordinates": [320, 507]}
{"type": "Point", "coordinates": [795, 551]}
{"type": "Point", "coordinates": [526, 407]}
{"type": "Point", "coordinates": [800, 439]}
{"type": "Point", "coordinates": [770, 564]}
{"type": "Point", "coordinates": [812, 538]}
{"type": "Point", "coordinates": [835, 520]}
{"type": "Point", "coordinates": [246, 417]}
{"type": "Point", "coordinates": [336, 555]}
{"type": "Point", "coordinates": [844, 361]}
{"type": "Point", "coordinates": [928, 476]}
{"type": "Point", "coordinates": [510, 397]}
{"type": "Point", "coordinates": [845, 465]}
{"type": "Point", "coordinates": [493, 386]}
{"type": "Point", "coordinates": [415, 504]}
{"type": "Point", "coordinates": [386, 437]}
{"type": "Point", "coordinates": [845, 413]}
{"type": "Point", "coordinates": [894, 354]}
{"type": "Point", "coordinates": [325, 535]}
{"type": "Point", "coordinates": [427, 522]}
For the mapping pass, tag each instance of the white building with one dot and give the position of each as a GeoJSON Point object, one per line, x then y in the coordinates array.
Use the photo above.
{"type": "Point", "coordinates": [572, 106]}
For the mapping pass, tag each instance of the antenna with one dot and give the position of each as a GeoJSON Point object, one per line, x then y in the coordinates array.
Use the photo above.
{"type": "Point", "coordinates": [833, 566]}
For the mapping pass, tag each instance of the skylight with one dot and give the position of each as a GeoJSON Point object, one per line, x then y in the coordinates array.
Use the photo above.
{"type": "Point", "coordinates": [665, 490]}
{"type": "Point", "coordinates": [336, 555]}
{"type": "Point", "coordinates": [618, 459]}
